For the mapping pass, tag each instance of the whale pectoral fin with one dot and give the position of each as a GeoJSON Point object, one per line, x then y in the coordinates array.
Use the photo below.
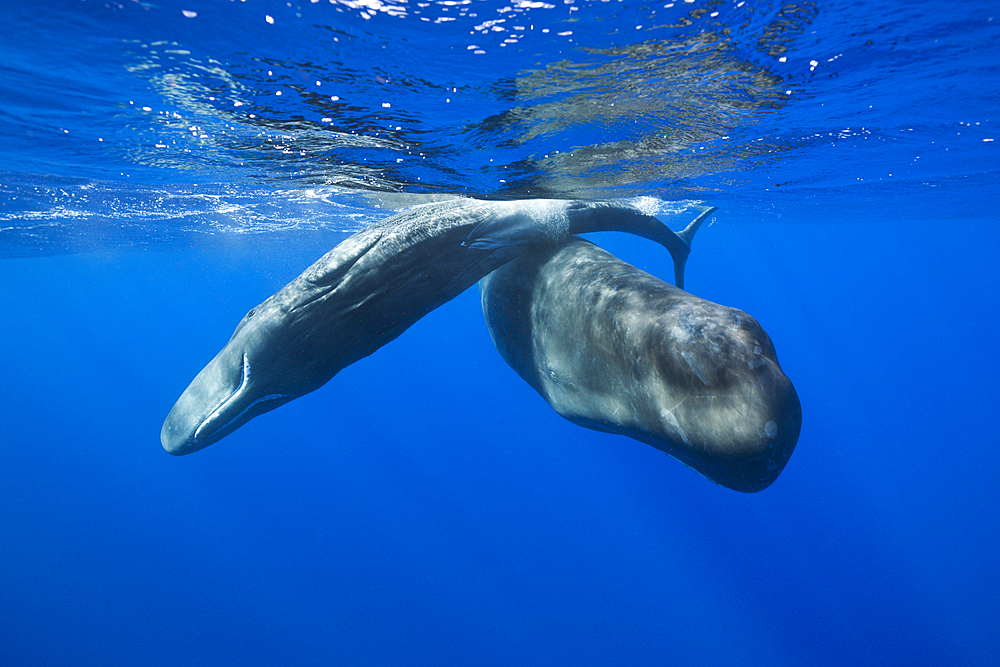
{"type": "Point", "coordinates": [518, 223]}
{"type": "Point", "coordinates": [498, 232]}
{"type": "Point", "coordinates": [490, 242]}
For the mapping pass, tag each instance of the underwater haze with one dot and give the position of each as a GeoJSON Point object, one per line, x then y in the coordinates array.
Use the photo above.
{"type": "Point", "coordinates": [167, 165]}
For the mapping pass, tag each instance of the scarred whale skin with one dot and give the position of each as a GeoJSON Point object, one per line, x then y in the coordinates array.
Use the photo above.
{"type": "Point", "coordinates": [368, 290]}
{"type": "Point", "coordinates": [615, 349]}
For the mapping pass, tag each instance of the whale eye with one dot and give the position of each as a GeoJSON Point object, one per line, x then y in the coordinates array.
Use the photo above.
{"type": "Point", "coordinates": [250, 314]}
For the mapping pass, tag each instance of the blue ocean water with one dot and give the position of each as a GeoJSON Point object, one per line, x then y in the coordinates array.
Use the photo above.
{"type": "Point", "coordinates": [165, 166]}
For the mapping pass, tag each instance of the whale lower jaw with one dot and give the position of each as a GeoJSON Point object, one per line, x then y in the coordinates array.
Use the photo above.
{"type": "Point", "coordinates": [219, 421]}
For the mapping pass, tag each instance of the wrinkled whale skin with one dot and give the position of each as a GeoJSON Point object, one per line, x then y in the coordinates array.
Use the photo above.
{"type": "Point", "coordinates": [615, 349]}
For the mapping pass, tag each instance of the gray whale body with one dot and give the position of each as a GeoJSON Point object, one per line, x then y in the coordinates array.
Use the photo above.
{"type": "Point", "coordinates": [615, 349]}
{"type": "Point", "coordinates": [368, 290]}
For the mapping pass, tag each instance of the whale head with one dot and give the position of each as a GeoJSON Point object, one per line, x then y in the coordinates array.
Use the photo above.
{"type": "Point", "coordinates": [271, 358]}
{"type": "Point", "coordinates": [288, 346]}
{"type": "Point", "coordinates": [245, 379]}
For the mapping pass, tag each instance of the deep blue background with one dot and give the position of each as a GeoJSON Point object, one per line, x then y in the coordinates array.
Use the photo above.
{"type": "Point", "coordinates": [427, 507]}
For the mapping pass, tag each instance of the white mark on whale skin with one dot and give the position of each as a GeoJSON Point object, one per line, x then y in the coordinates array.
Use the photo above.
{"type": "Point", "coordinates": [230, 398]}
{"type": "Point", "coordinates": [225, 401]}
{"type": "Point", "coordinates": [670, 418]}
{"type": "Point", "coordinates": [771, 428]}
{"type": "Point", "coordinates": [758, 359]}
{"type": "Point", "coordinates": [686, 356]}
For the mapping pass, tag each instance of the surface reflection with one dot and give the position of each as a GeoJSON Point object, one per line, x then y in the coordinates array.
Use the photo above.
{"type": "Point", "coordinates": [487, 99]}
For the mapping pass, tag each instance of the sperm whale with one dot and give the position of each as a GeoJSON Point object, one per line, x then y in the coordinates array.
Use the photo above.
{"type": "Point", "coordinates": [372, 287]}
{"type": "Point", "coordinates": [615, 349]}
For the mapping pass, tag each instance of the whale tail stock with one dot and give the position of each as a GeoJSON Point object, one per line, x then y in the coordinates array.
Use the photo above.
{"type": "Point", "coordinates": [506, 227]}
{"type": "Point", "coordinates": [626, 217]}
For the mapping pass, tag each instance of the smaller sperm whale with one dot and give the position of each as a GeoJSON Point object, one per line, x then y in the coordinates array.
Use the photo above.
{"type": "Point", "coordinates": [368, 290]}
{"type": "Point", "coordinates": [615, 349]}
